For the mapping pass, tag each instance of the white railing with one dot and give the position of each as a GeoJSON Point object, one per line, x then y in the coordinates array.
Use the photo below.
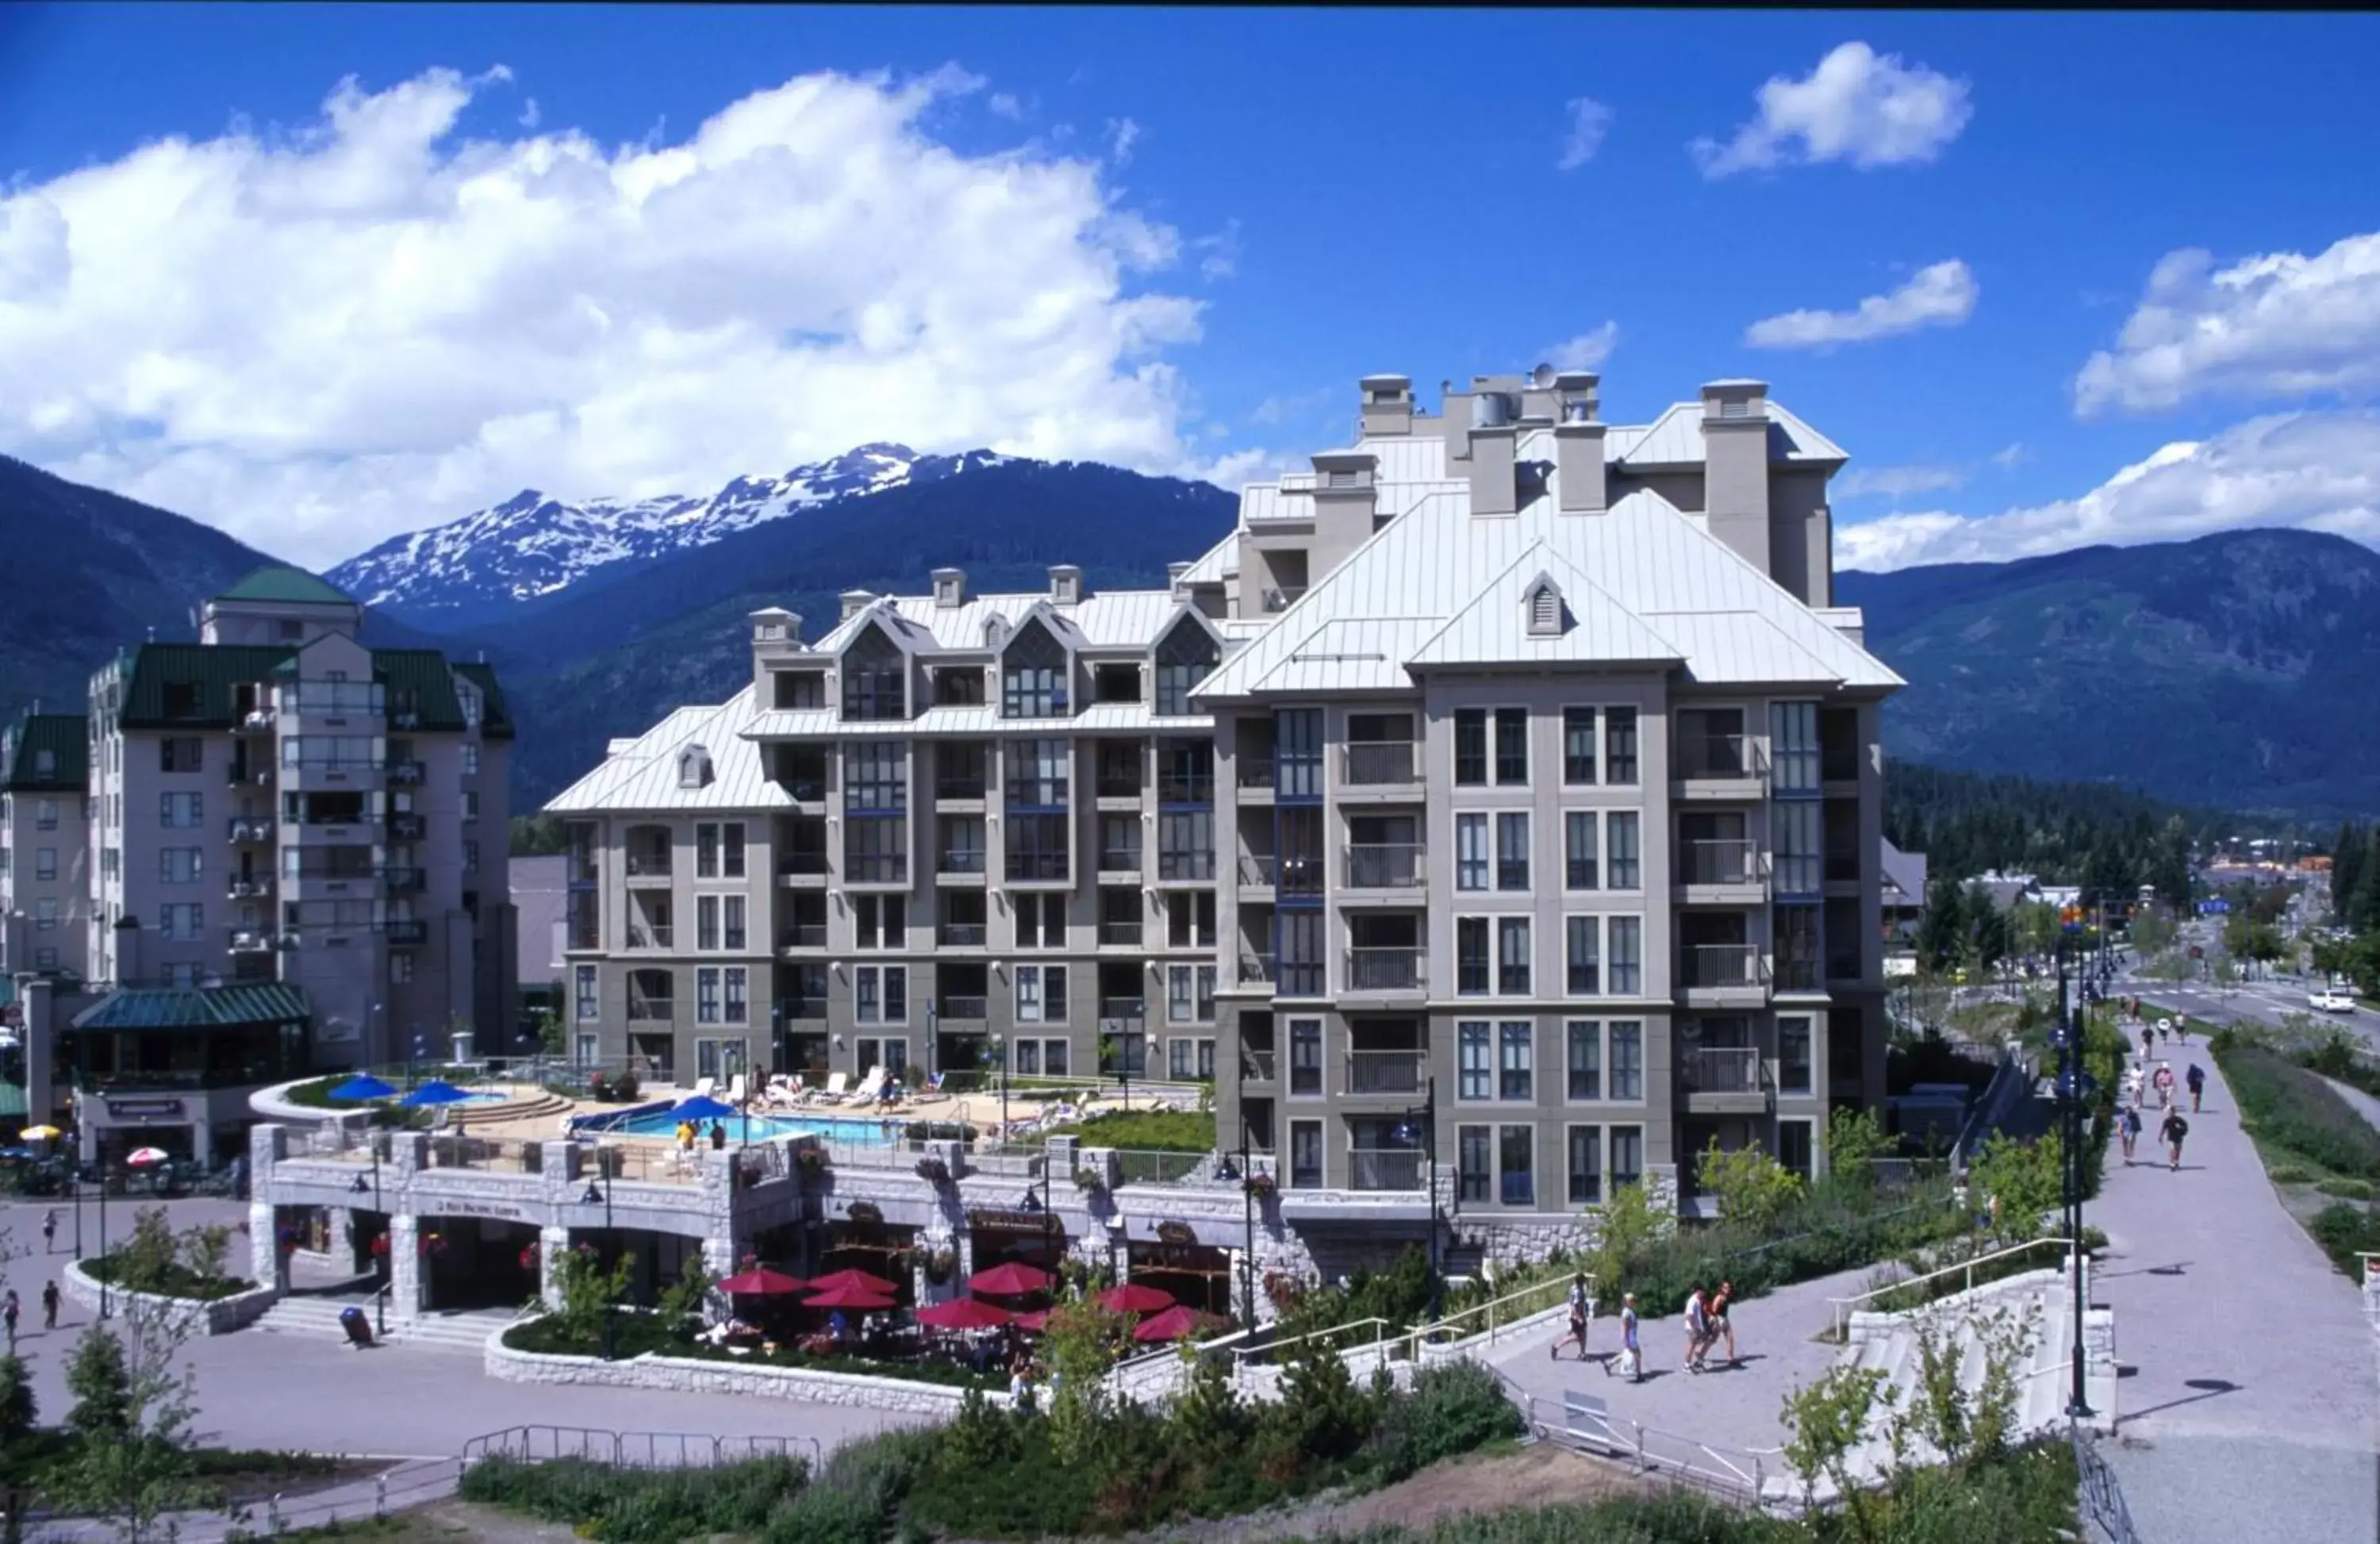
{"type": "Point", "coordinates": [1740, 1474]}
{"type": "Point", "coordinates": [1844, 1306]}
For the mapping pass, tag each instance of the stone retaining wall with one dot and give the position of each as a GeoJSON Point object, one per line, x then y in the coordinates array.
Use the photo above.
{"type": "Point", "coordinates": [219, 1317]}
{"type": "Point", "coordinates": [696, 1375]}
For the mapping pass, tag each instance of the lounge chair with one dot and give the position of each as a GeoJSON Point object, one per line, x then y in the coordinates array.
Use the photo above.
{"type": "Point", "coordinates": [702, 1086]}
{"type": "Point", "coordinates": [739, 1094]}
{"type": "Point", "coordinates": [782, 1093]}
{"type": "Point", "coordinates": [869, 1087]}
{"type": "Point", "coordinates": [832, 1092]}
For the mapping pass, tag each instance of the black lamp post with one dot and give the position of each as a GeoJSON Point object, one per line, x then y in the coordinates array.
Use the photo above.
{"type": "Point", "coordinates": [2073, 1088]}
{"type": "Point", "coordinates": [602, 1194]}
{"type": "Point", "coordinates": [379, 1295]}
{"type": "Point", "coordinates": [103, 1233]}
{"type": "Point", "coordinates": [1248, 1247]}
{"type": "Point", "coordinates": [1428, 1113]}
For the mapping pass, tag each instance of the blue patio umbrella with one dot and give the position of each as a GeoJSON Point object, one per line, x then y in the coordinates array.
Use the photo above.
{"type": "Point", "coordinates": [702, 1107]}
{"type": "Point", "coordinates": [434, 1092]}
{"type": "Point", "coordinates": [363, 1086]}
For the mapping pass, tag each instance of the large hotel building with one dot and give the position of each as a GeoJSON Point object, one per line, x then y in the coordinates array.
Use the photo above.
{"type": "Point", "coordinates": [1506, 789]}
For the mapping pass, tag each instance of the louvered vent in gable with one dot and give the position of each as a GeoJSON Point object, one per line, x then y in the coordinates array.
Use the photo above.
{"type": "Point", "coordinates": [1545, 609]}
{"type": "Point", "coordinates": [693, 769]}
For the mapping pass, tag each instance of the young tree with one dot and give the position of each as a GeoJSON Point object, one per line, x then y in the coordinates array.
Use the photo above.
{"type": "Point", "coordinates": [21, 1455]}
{"type": "Point", "coordinates": [1752, 1187]}
{"type": "Point", "coordinates": [1826, 1421]}
{"type": "Point", "coordinates": [134, 1406]}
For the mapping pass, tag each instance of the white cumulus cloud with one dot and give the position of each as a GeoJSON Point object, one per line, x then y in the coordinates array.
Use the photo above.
{"type": "Point", "coordinates": [2281, 325]}
{"type": "Point", "coordinates": [1587, 351]}
{"type": "Point", "coordinates": [2317, 471]}
{"type": "Point", "coordinates": [1858, 105]}
{"type": "Point", "coordinates": [1589, 120]}
{"type": "Point", "coordinates": [1940, 296]}
{"type": "Point", "coordinates": [317, 338]}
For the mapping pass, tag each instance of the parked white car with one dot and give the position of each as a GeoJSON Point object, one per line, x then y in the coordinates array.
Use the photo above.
{"type": "Point", "coordinates": [2332, 1000]}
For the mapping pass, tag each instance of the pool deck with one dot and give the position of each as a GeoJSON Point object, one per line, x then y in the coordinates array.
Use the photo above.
{"type": "Point", "coordinates": [976, 1110]}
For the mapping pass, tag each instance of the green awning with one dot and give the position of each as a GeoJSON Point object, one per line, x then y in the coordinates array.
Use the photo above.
{"type": "Point", "coordinates": [197, 1007]}
{"type": "Point", "coordinates": [12, 1101]}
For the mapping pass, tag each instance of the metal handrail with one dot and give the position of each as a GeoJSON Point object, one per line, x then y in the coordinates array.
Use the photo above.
{"type": "Point", "coordinates": [1842, 1305]}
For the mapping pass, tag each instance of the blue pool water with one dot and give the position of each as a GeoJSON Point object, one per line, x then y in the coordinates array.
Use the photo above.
{"type": "Point", "coordinates": [663, 1123]}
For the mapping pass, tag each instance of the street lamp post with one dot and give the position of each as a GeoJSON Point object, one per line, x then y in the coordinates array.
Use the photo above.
{"type": "Point", "coordinates": [2071, 1089]}
{"type": "Point", "coordinates": [603, 1195]}
{"type": "Point", "coordinates": [999, 1050]}
{"type": "Point", "coordinates": [105, 1268]}
{"type": "Point", "coordinates": [380, 1293]}
{"type": "Point", "coordinates": [1248, 1246]}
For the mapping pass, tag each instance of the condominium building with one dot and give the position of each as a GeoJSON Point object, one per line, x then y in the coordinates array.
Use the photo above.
{"type": "Point", "coordinates": [44, 890]}
{"type": "Point", "coordinates": [1505, 789]}
{"type": "Point", "coordinates": [279, 803]}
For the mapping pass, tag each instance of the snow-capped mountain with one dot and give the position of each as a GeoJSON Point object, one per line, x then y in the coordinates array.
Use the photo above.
{"type": "Point", "coordinates": [532, 545]}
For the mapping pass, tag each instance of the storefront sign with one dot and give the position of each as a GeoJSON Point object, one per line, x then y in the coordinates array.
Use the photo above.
{"type": "Point", "coordinates": [868, 1214]}
{"type": "Point", "coordinates": [1176, 1232]}
{"type": "Point", "coordinates": [142, 1108]}
{"type": "Point", "coordinates": [500, 1210]}
{"type": "Point", "coordinates": [1012, 1221]}
{"type": "Point", "coordinates": [337, 1031]}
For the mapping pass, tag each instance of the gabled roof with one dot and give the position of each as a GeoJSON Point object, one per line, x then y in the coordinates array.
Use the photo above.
{"type": "Point", "coordinates": [284, 586]}
{"type": "Point", "coordinates": [67, 736]}
{"type": "Point", "coordinates": [1105, 619]}
{"type": "Point", "coordinates": [1675, 439]}
{"type": "Point", "coordinates": [1493, 630]}
{"type": "Point", "coordinates": [197, 1007]}
{"type": "Point", "coordinates": [644, 776]}
{"type": "Point", "coordinates": [420, 677]}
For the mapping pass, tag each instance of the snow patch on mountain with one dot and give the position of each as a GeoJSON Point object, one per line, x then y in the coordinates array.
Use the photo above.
{"type": "Point", "coordinates": [533, 544]}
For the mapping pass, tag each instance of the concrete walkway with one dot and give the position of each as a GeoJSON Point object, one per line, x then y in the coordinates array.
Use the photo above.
{"type": "Point", "coordinates": [2249, 1407]}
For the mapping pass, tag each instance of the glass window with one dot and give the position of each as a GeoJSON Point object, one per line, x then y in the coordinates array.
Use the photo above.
{"type": "Point", "coordinates": [1584, 1038]}
{"type": "Point", "coordinates": [1305, 1057]}
{"type": "Point", "coordinates": [1515, 1060]}
{"type": "Point", "coordinates": [1623, 956]}
{"type": "Point", "coordinates": [731, 850]}
{"type": "Point", "coordinates": [1512, 747]}
{"type": "Point", "coordinates": [1512, 956]}
{"type": "Point", "coordinates": [1472, 1162]}
{"type": "Point", "coordinates": [706, 922]}
{"type": "Point", "coordinates": [1793, 1070]}
{"type": "Point", "coordinates": [1793, 746]}
{"type": "Point", "coordinates": [590, 1005]}
{"type": "Point", "coordinates": [1513, 850]}
{"type": "Point", "coordinates": [1033, 675]}
{"type": "Point", "coordinates": [1627, 1155]}
{"type": "Point", "coordinates": [875, 678]}
{"type": "Point", "coordinates": [1471, 1074]}
{"type": "Point", "coordinates": [1586, 1165]}
{"type": "Point", "coordinates": [1579, 847]}
{"type": "Point", "coordinates": [738, 1005]}
{"type": "Point", "coordinates": [1297, 753]}
{"type": "Point", "coordinates": [1305, 1154]}
{"type": "Point", "coordinates": [1471, 852]}
{"type": "Point", "coordinates": [1619, 746]}
{"type": "Point", "coordinates": [876, 776]}
{"type": "Point", "coordinates": [706, 996]}
{"type": "Point", "coordinates": [1037, 773]}
{"type": "Point", "coordinates": [732, 934]}
{"type": "Point", "coordinates": [1578, 745]}
{"type": "Point", "coordinates": [1793, 1145]}
{"type": "Point", "coordinates": [1623, 870]}
{"type": "Point", "coordinates": [1583, 955]}
{"type": "Point", "coordinates": [706, 851]}
{"type": "Point", "coordinates": [1517, 1159]}
{"type": "Point", "coordinates": [1470, 745]}
{"type": "Point", "coordinates": [1470, 954]}
{"type": "Point", "coordinates": [1794, 833]}
{"type": "Point", "coordinates": [1627, 1060]}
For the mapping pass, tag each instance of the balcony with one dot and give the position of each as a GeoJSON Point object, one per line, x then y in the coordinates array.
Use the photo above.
{"type": "Point", "coordinates": [1284, 598]}
{"type": "Point", "coordinates": [651, 1010]}
{"type": "Point", "coordinates": [406, 934]}
{"type": "Point", "coordinates": [1372, 1073]}
{"type": "Point", "coordinates": [1385, 1168]}
{"type": "Point", "coordinates": [1725, 973]}
{"type": "Point", "coordinates": [1256, 769]}
{"type": "Point", "coordinates": [1798, 975]}
{"type": "Point", "coordinates": [404, 771]}
{"type": "Point", "coordinates": [876, 868]}
{"type": "Point", "coordinates": [798, 864]}
{"type": "Point", "coordinates": [1387, 865]}
{"type": "Point", "coordinates": [1185, 867]}
{"type": "Point", "coordinates": [1185, 788]}
{"type": "Point", "coordinates": [1376, 968]}
{"type": "Point", "coordinates": [402, 879]}
{"type": "Point", "coordinates": [1738, 761]}
{"type": "Point", "coordinates": [1119, 860]}
{"type": "Point", "coordinates": [1721, 871]}
{"type": "Point", "coordinates": [256, 719]}
{"type": "Point", "coordinates": [964, 1010]}
{"type": "Point", "coordinates": [1257, 1064]}
{"type": "Point", "coordinates": [962, 860]}
{"type": "Point", "coordinates": [650, 936]}
{"type": "Point", "coordinates": [251, 831]}
{"type": "Point", "coordinates": [1119, 934]}
{"type": "Point", "coordinates": [958, 790]}
{"type": "Point", "coordinates": [252, 942]}
{"type": "Point", "coordinates": [1723, 1079]}
{"type": "Point", "coordinates": [648, 866]}
{"type": "Point", "coordinates": [247, 887]}
{"type": "Point", "coordinates": [802, 935]}
{"type": "Point", "coordinates": [408, 828]}
{"type": "Point", "coordinates": [1299, 874]}
{"type": "Point", "coordinates": [1117, 787]}
{"type": "Point", "coordinates": [1380, 763]}
{"type": "Point", "coordinates": [1258, 869]}
{"type": "Point", "coordinates": [1255, 970]}
{"type": "Point", "coordinates": [1038, 867]}
{"type": "Point", "coordinates": [1132, 1009]}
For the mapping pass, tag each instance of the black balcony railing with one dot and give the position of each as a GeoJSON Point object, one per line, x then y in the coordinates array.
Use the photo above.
{"type": "Point", "coordinates": [961, 935]}
{"type": "Point", "coordinates": [1374, 967]}
{"type": "Point", "coordinates": [1721, 1069]}
{"type": "Point", "coordinates": [1256, 768]}
{"type": "Point", "coordinates": [1386, 866]}
{"type": "Point", "coordinates": [1257, 1063]}
{"type": "Point", "coordinates": [1036, 866]}
{"type": "Point", "coordinates": [1117, 786]}
{"type": "Point", "coordinates": [1298, 874]}
{"type": "Point", "coordinates": [1384, 1072]}
{"type": "Point", "coordinates": [960, 860]}
{"type": "Point", "coordinates": [1255, 969]}
{"type": "Point", "coordinates": [965, 1009]}
{"type": "Point", "coordinates": [1124, 1007]}
{"type": "Point", "coordinates": [1187, 788]}
{"type": "Point", "coordinates": [1720, 757]}
{"type": "Point", "coordinates": [960, 788]}
{"type": "Point", "coordinates": [801, 862]}
{"type": "Point", "coordinates": [1371, 763]}
{"type": "Point", "coordinates": [1181, 865]}
{"type": "Point", "coordinates": [802, 935]}
{"type": "Point", "coordinates": [1119, 861]}
{"type": "Point", "coordinates": [651, 1010]}
{"type": "Point", "coordinates": [648, 866]}
{"type": "Point", "coordinates": [1721, 966]}
{"type": "Point", "coordinates": [650, 936]}
{"type": "Point", "coordinates": [1125, 933]}
{"type": "Point", "coordinates": [876, 868]}
{"type": "Point", "coordinates": [1385, 1168]}
{"type": "Point", "coordinates": [1719, 861]}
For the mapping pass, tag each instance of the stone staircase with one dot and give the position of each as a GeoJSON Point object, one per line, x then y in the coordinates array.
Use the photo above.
{"type": "Point", "coordinates": [541, 1105]}
{"type": "Point", "coordinates": [318, 1318]}
{"type": "Point", "coordinates": [1888, 1342]}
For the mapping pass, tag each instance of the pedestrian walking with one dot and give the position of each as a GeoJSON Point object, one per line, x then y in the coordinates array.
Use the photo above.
{"type": "Point", "coordinates": [9, 1309]}
{"type": "Point", "coordinates": [1578, 1304]}
{"type": "Point", "coordinates": [2173, 1131]}
{"type": "Point", "coordinates": [2128, 1129]}
{"type": "Point", "coordinates": [1631, 1353]}
{"type": "Point", "coordinates": [49, 1230]}
{"type": "Point", "coordinates": [2197, 1080]}
{"type": "Point", "coordinates": [50, 1304]}
{"type": "Point", "coordinates": [2181, 1028]}
{"type": "Point", "coordinates": [1721, 1327]}
{"type": "Point", "coordinates": [1697, 1328]}
{"type": "Point", "coordinates": [2148, 1042]}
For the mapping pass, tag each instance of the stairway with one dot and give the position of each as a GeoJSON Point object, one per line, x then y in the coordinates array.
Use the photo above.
{"type": "Point", "coordinates": [539, 1104]}
{"type": "Point", "coordinates": [318, 1317]}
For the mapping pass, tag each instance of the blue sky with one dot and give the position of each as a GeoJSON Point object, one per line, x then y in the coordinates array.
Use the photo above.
{"type": "Point", "coordinates": [1299, 198]}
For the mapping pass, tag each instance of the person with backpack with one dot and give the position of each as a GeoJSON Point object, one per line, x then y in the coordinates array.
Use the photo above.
{"type": "Point", "coordinates": [1697, 1328]}
{"type": "Point", "coordinates": [2197, 1081]}
{"type": "Point", "coordinates": [2173, 1131]}
{"type": "Point", "coordinates": [2128, 1129]}
{"type": "Point", "coordinates": [1631, 1353]}
{"type": "Point", "coordinates": [1578, 1310]}
{"type": "Point", "coordinates": [1717, 1322]}
{"type": "Point", "coordinates": [50, 1304]}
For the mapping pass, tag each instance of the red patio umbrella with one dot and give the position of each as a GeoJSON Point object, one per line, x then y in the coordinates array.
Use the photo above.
{"type": "Point", "coordinates": [859, 1281]}
{"type": "Point", "coordinates": [849, 1297]}
{"type": "Point", "coordinates": [1132, 1297]}
{"type": "Point", "coordinates": [963, 1313]}
{"type": "Point", "coordinates": [1173, 1324]}
{"type": "Point", "coordinates": [1012, 1280]}
{"type": "Point", "coordinates": [760, 1282]}
{"type": "Point", "coordinates": [1034, 1323]}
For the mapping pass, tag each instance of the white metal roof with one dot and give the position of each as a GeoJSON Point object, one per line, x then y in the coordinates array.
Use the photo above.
{"type": "Point", "coordinates": [1676, 439]}
{"type": "Point", "coordinates": [1222, 558]}
{"type": "Point", "coordinates": [974, 719]}
{"type": "Point", "coordinates": [1106, 619]}
{"type": "Point", "coordinates": [645, 775]}
{"type": "Point", "coordinates": [1493, 630]}
{"type": "Point", "coordinates": [1366, 653]}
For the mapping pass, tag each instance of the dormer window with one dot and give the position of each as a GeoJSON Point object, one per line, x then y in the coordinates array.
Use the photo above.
{"type": "Point", "coordinates": [1033, 676]}
{"type": "Point", "coordinates": [875, 678]}
{"type": "Point", "coordinates": [693, 769]}
{"type": "Point", "coordinates": [1185, 656]}
{"type": "Point", "coordinates": [1544, 603]}
{"type": "Point", "coordinates": [45, 762]}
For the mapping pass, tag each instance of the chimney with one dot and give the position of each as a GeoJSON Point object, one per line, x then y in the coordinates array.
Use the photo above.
{"type": "Point", "coordinates": [1065, 585]}
{"type": "Point", "coordinates": [1491, 436]}
{"type": "Point", "coordinates": [1578, 445]}
{"type": "Point", "coordinates": [1388, 405]}
{"type": "Point", "coordinates": [950, 588]}
{"type": "Point", "coordinates": [1735, 466]}
{"type": "Point", "coordinates": [1177, 577]}
{"type": "Point", "coordinates": [1345, 498]}
{"type": "Point", "coordinates": [854, 602]}
{"type": "Point", "coordinates": [128, 951]}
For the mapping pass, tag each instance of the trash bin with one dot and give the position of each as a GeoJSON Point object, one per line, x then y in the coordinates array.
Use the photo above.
{"type": "Point", "coordinates": [358, 1326]}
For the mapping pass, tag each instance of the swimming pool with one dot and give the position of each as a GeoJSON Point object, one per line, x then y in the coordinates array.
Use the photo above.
{"type": "Point", "coordinates": [763, 1128]}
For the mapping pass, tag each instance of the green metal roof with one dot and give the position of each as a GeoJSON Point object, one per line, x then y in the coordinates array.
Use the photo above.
{"type": "Point", "coordinates": [497, 724]}
{"type": "Point", "coordinates": [286, 586]}
{"type": "Point", "coordinates": [418, 681]}
{"type": "Point", "coordinates": [67, 736]}
{"type": "Point", "coordinates": [195, 1007]}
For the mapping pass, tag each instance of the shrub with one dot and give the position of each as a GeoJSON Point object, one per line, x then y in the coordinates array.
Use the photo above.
{"type": "Point", "coordinates": [2295, 1112]}
{"type": "Point", "coordinates": [2290, 1173]}
{"type": "Point", "coordinates": [641, 1506]}
{"type": "Point", "coordinates": [1753, 1188]}
{"type": "Point", "coordinates": [2346, 1189]}
{"type": "Point", "coordinates": [2347, 1231]}
{"type": "Point", "coordinates": [1453, 1409]}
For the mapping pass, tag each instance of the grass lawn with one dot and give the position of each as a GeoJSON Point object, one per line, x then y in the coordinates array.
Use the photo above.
{"type": "Point", "coordinates": [1145, 1131]}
